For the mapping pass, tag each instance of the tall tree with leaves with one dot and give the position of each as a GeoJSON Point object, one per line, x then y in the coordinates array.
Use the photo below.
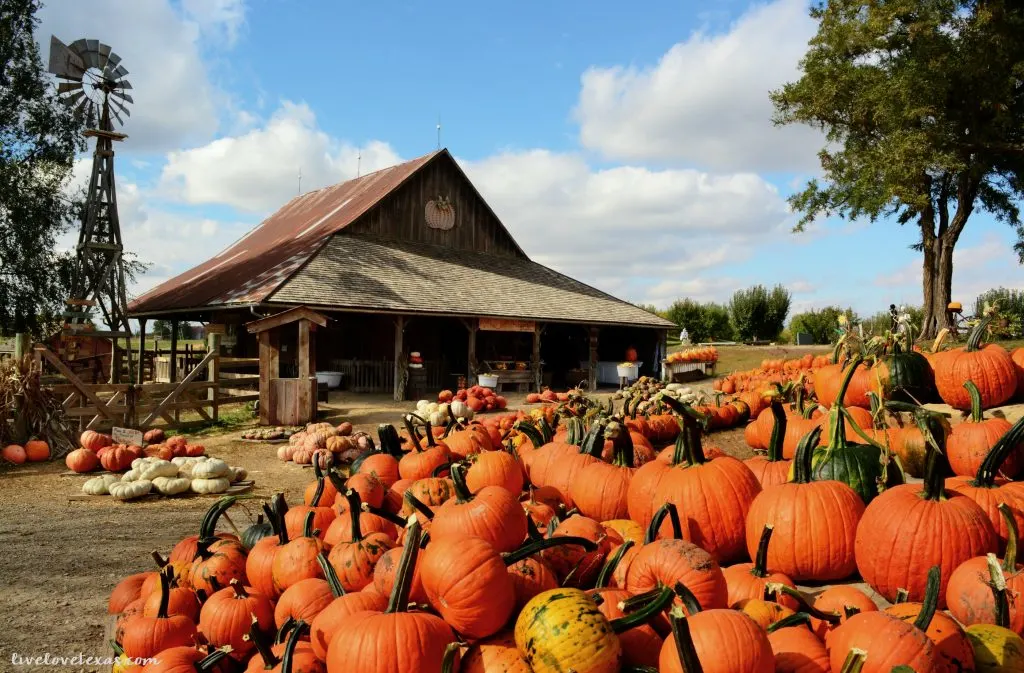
{"type": "Point", "coordinates": [922, 104]}
{"type": "Point", "coordinates": [38, 141]}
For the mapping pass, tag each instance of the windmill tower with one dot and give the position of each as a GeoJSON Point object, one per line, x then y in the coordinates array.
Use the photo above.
{"type": "Point", "coordinates": [93, 85]}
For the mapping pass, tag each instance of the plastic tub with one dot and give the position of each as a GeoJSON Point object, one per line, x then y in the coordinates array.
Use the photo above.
{"type": "Point", "coordinates": [488, 380]}
{"type": "Point", "coordinates": [332, 379]}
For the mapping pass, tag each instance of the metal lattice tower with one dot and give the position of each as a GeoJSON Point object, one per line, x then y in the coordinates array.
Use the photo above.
{"type": "Point", "coordinates": [94, 87]}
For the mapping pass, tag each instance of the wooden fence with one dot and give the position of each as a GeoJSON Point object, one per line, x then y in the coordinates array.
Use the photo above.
{"type": "Point", "coordinates": [378, 376]}
{"type": "Point", "coordinates": [202, 391]}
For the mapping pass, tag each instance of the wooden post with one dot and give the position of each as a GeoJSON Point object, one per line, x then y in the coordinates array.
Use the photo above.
{"type": "Point", "coordinates": [473, 326]}
{"type": "Point", "coordinates": [141, 375]}
{"type": "Point", "coordinates": [174, 351]}
{"type": "Point", "coordinates": [213, 375]}
{"type": "Point", "coordinates": [307, 370]}
{"type": "Point", "coordinates": [592, 369]}
{"type": "Point", "coordinates": [399, 387]}
{"type": "Point", "coordinates": [663, 351]}
{"type": "Point", "coordinates": [22, 345]}
{"type": "Point", "coordinates": [536, 358]}
{"type": "Point", "coordinates": [269, 364]}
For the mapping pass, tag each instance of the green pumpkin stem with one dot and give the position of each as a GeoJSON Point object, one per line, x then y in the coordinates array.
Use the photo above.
{"type": "Point", "coordinates": [608, 569]}
{"type": "Point", "coordinates": [682, 445]}
{"type": "Point", "coordinates": [208, 662]}
{"type": "Point", "coordinates": [284, 630]}
{"type": "Point", "coordinates": [448, 661]}
{"type": "Point", "coordinates": [634, 603]}
{"type": "Point", "coordinates": [288, 658]}
{"type": "Point", "coordinates": [337, 481]}
{"type": "Point", "coordinates": [385, 514]}
{"type": "Point", "coordinates": [399, 600]}
{"type": "Point", "coordinates": [668, 509]}
{"type": "Point", "coordinates": [531, 432]}
{"type": "Point", "coordinates": [998, 585]}
{"type": "Point", "coordinates": [686, 597]}
{"type": "Point", "coordinates": [593, 441]}
{"type": "Point", "coordinates": [931, 599]}
{"type": "Point", "coordinates": [623, 443]}
{"type": "Point", "coordinates": [993, 462]}
{"type": "Point", "coordinates": [319, 492]}
{"type": "Point", "coordinates": [760, 568]}
{"type": "Point", "coordinates": [332, 577]}
{"type": "Point", "coordinates": [1010, 557]}
{"type": "Point", "coordinates": [802, 604]}
{"type": "Point", "coordinates": [390, 443]}
{"type": "Point", "coordinates": [902, 596]}
{"type": "Point", "coordinates": [533, 546]}
{"type": "Point", "coordinates": [837, 428]}
{"type": "Point", "coordinates": [443, 470]}
{"type": "Point", "coordinates": [165, 594]}
{"type": "Point", "coordinates": [413, 435]}
{"type": "Point", "coordinates": [796, 619]}
{"type": "Point", "coordinates": [462, 492]}
{"type": "Point", "coordinates": [644, 614]}
{"type": "Point", "coordinates": [778, 430]}
{"type": "Point", "coordinates": [975, 395]}
{"type": "Point", "coordinates": [259, 641]}
{"type": "Point", "coordinates": [208, 529]}
{"type": "Point", "coordinates": [934, 487]}
{"type": "Point", "coordinates": [688, 659]}
{"type": "Point", "coordinates": [974, 340]}
{"type": "Point", "coordinates": [854, 661]}
{"type": "Point", "coordinates": [802, 470]}
{"type": "Point", "coordinates": [546, 431]}
{"type": "Point", "coordinates": [532, 532]}
{"type": "Point", "coordinates": [418, 505]}
{"type": "Point", "coordinates": [354, 511]}
{"type": "Point", "coordinates": [429, 433]}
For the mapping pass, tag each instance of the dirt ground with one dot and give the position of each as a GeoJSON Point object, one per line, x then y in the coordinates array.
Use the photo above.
{"type": "Point", "coordinates": [62, 557]}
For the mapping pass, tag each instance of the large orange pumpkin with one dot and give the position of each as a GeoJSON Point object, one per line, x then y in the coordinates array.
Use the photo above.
{"type": "Point", "coordinates": [82, 460]}
{"type": "Point", "coordinates": [37, 451]}
{"type": "Point", "coordinates": [971, 441]}
{"type": "Point", "coordinates": [988, 365]}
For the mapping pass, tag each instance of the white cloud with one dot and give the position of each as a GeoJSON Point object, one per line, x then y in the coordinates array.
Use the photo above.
{"type": "Point", "coordinates": [642, 234]}
{"type": "Point", "coordinates": [175, 103]}
{"type": "Point", "coordinates": [217, 18]}
{"type": "Point", "coordinates": [706, 102]}
{"type": "Point", "coordinates": [258, 171]}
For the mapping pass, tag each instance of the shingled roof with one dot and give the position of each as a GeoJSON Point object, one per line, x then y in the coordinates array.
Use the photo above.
{"type": "Point", "coordinates": [356, 272]}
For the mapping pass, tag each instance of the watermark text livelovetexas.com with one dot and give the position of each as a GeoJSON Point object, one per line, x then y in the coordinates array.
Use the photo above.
{"type": "Point", "coordinates": [80, 659]}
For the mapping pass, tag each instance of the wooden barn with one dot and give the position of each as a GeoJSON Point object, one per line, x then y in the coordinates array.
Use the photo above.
{"type": "Point", "coordinates": [410, 263]}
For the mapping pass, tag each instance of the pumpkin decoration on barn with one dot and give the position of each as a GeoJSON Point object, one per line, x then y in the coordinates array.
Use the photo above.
{"type": "Point", "coordinates": [439, 213]}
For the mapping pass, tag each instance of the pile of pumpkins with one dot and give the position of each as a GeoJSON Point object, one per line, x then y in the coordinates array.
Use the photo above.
{"type": "Point", "coordinates": [465, 402]}
{"type": "Point", "coordinates": [34, 451]}
{"type": "Point", "coordinates": [199, 474]}
{"type": "Point", "coordinates": [326, 444]}
{"type": "Point", "coordinates": [98, 450]}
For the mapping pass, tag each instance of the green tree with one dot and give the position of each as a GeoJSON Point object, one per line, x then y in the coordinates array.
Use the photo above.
{"type": "Point", "coordinates": [922, 106]}
{"type": "Point", "coordinates": [38, 140]}
{"type": "Point", "coordinates": [822, 324]}
{"type": "Point", "coordinates": [161, 329]}
{"type": "Point", "coordinates": [703, 322]}
{"type": "Point", "coordinates": [758, 313]}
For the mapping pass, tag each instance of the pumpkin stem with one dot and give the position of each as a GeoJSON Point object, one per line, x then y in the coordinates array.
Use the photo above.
{"type": "Point", "coordinates": [975, 395]}
{"type": "Point", "coordinates": [760, 568]}
{"type": "Point", "coordinates": [682, 445]}
{"type": "Point", "coordinates": [532, 547]}
{"type": "Point", "coordinates": [838, 428]}
{"type": "Point", "coordinates": [593, 441]}
{"type": "Point", "coordinates": [207, 663]}
{"type": "Point", "coordinates": [532, 532]}
{"type": "Point", "coordinates": [413, 436]}
{"type": "Point", "coordinates": [208, 529]}
{"type": "Point", "coordinates": [307, 524]}
{"type": "Point", "coordinates": [931, 599]}
{"type": "Point", "coordinates": [623, 444]}
{"type": "Point", "coordinates": [778, 430]}
{"type": "Point", "coordinates": [1010, 557]}
{"type": "Point", "coordinates": [389, 441]}
{"type": "Point", "coordinates": [354, 511]}
{"type": "Point", "coordinates": [934, 435]}
{"type": "Point", "coordinates": [385, 514]}
{"type": "Point", "coordinates": [608, 569]}
{"type": "Point", "coordinates": [165, 593]}
{"type": "Point", "coordinates": [443, 470]}
{"type": "Point", "coordinates": [644, 614]}
{"type": "Point", "coordinates": [531, 432]}
{"type": "Point", "coordinates": [287, 659]}
{"type": "Point", "coordinates": [399, 600]}
{"type": "Point", "coordinates": [319, 493]}
{"type": "Point", "coordinates": [259, 641]}
{"type": "Point", "coordinates": [688, 659]}
{"type": "Point", "coordinates": [993, 462]}
{"type": "Point", "coordinates": [998, 585]}
{"type": "Point", "coordinates": [795, 619]}
{"type": "Point", "coordinates": [448, 661]}
{"type": "Point", "coordinates": [429, 433]}
{"type": "Point", "coordinates": [337, 481]}
{"type": "Point", "coordinates": [284, 630]}
{"type": "Point", "coordinates": [670, 510]}
{"type": "Point", "coordinates": [462, 492]}
{"type": "Point", "coordinates": [332, 577]}
{"type": "Point", "coordinates": [902, 596]}
{"type": "Point", "coordinates": [804, 452]}
{"type": "Point", "coordinates": [418, 505]}
{"type": "Point", "coordinates": [854, 661]}
{"type": "Point", "coordinates": [546, 431]}
{"type": "Point", "coordinates": [158, 559]}
{"type": "Point", "coordinates": [240, 591]}
{"type": "Point", "coordinates": [802, 604]}
{"type": "Point", "coordinates": [690, 603]}
{"type": "Point", "coordinates": [974, 340]}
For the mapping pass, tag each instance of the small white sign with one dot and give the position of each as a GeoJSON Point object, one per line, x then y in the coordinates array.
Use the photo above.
{"type": "Point", "coordinates": [127, 436]}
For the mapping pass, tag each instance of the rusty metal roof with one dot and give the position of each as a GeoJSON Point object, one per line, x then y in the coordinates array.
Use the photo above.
{"type": "Point", "coordinates": [254, 266]}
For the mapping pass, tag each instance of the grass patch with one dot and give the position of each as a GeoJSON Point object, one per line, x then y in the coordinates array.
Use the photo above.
{"type": "Point", "coordinates": [230, 418]}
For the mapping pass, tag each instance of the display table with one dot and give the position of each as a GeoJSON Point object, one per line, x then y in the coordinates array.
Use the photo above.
{"type": "Point", "coordinates": [607, 371]}
{"type": "Point", "coordinates": [685, 370]}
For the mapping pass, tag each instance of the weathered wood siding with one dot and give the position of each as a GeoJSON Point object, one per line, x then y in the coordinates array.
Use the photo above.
{"type": "Point", "coordinates": [400, 216]}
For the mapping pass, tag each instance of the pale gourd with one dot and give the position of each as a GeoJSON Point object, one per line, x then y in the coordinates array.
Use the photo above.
{"type": "Point", "coordinates": [237, 474]}
{"type": "Point", "coordinates": [461, 410]}
{"type": "Point", "coordinates": [98, 485]}
{"type": "Point", "coordinates": [130, 490]}
{"type": "Point", "coordinates": [214, 485]}
{"type": "Point", "coordinates": [210, 469]}
{"type": "Point", "coordinates": [439, 417]}
{"type": "Point", "coordinates": [158, 468]}
{"type": "Point", "coordinates": [133, 474]}
{"type": "Point", "coordinates": [171, 485]}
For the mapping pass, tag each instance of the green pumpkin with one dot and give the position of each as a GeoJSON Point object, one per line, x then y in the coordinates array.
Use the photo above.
{"type": "Point", "coordinates": [909, 377]}
{"type": "Point", "coordinates": [859, 466]}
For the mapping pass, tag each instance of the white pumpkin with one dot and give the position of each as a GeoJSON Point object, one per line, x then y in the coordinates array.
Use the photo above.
{"type": "Point", "coordinates": [439, 417]}
{"type": "Point", "coordinates": [237, 474]}
{"type": "Point", "coordinates": [210, 469]}
{"type": "Point", "coordinates": [159, 468]}
{"type": "Point", "coordinates": [130, 490]}
{"type": "Point", "coordinates": [214, 485]}
{"type": "Point", "coordinates": [98, 485]}
{"type": "Point", "coordinates": [133, 474]}
{"type": "Point", "coordinates": [139, 462]}
{"type": "Point", "coordinates": [461, 410]}
{"type": "Point", "coordinates": [171, 485]}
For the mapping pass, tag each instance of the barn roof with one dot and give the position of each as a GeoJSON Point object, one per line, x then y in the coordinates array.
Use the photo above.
{"type": "Point", "coordinates": [357, 272]}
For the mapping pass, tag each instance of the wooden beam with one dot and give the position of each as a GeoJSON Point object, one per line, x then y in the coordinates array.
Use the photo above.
{"type": "Point", "coordinates": [22, 345]}
{"type": "Point", "coordinates": [471, 355]}
{"type": "Point", "coordinates": [400, 366]}
{"type": "Point", "coordinates": [535, 358]}
{"type": "Point", "coordinates": [213, 373]}
{"type": "Point", "coordinates": [592, 362]}
{"type": "Point", "coordinates": [180, 387]}
{"type": "Point", "coordinates": [74, 380]}
{"type": "Point", "coordinates": [286, 317]}
{"type": "Point", "coordinates": [174, 350]}
{"type": "Point", "coordinates": [302, 357]}
{"type": "Point", "coordinates": [141, 374]}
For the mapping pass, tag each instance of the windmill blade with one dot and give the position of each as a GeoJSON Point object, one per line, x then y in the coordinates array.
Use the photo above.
{"type": "Point", "coordinates": [78, 46]}
{"type": "Point", "coordinates": [92, 47]}
{"type": "Point", "coordinates": [104, 51]}
{"type": "Point", "coordinates": [120, 72]}
{"type": "Point", "coordinates": [116, 116]}
{"type": "Point", "coordinates": [125, 84]}
{"type": "Point", "coordinates": [65, 87]}
{"type": "Point", "coordinates": [122, 108]}
{"type": "Point", "coordinates": [113, 59]}
{"type": "Point", "coordinates": [74, 97]}
{"type": "Point", "coordinates": [64, 62]}
{"type": "Point", "coordinates": [123, 96]}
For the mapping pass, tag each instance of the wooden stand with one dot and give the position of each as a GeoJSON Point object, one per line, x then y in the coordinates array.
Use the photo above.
{"type": "Point", "coordinates": [288, 401]}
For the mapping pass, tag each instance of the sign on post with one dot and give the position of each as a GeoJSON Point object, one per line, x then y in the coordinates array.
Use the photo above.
{"type": "Point", "coordinates": [126, 436]}
{"type": "Point", "coordinates": [506, 325]}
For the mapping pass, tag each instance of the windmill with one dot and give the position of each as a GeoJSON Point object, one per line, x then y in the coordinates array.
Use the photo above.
{"type": "Point", "coordinates": [94, 86]}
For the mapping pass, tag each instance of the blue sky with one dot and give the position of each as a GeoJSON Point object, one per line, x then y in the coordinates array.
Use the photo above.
{"type": "Point", "coordinates": [631, 149]}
